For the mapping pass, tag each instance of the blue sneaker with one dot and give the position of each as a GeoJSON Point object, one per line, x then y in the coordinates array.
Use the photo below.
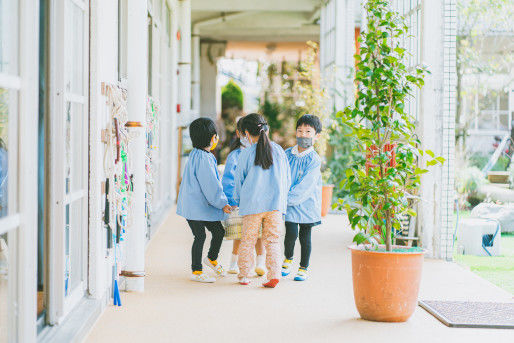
{"type": "Point", "coordinates": [286, 267]}
{"type": "Point", "coordinates": [302, 275]}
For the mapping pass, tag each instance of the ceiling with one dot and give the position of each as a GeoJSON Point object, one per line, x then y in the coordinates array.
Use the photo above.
{"type": "Point", "coordinates": [257, 20]}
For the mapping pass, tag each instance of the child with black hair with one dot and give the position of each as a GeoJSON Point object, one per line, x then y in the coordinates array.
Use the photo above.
{"type": "Point", "coordinates": [235, 220]}
{"type": "Point", "coordinates": [262, 182]}
{"type": "Point", "coordinates": [201, 199]}
{"type": "Point", "coordinates": [304, 198]}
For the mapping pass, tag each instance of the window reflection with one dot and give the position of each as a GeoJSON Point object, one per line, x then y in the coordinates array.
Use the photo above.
{"type": "Point", "coordinates": [4, 116]}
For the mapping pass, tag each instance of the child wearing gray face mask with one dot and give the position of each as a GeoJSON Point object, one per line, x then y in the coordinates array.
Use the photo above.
{"type": "Point", "coordinates": [304, 197]}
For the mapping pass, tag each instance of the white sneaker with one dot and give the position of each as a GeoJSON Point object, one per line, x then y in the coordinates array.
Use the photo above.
{"type": "Point", "coordinates": [260, 269]}
{"type": "Point", "coordinates": [218, 269]}
{"type": "Point", "coordinates": [203, 278]}
{"type": "Point", "coordinates": [234, 268]}
{"type": "Point", "coordinates": [286, 267]}
{"type": "Point", "coordinates": [244, 281]}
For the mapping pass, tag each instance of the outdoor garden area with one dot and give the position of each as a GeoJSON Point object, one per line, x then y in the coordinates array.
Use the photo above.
{"type": "Point", "coordinates": [484, 179]}
{"type": "Point", "coordinates": [484, 140]}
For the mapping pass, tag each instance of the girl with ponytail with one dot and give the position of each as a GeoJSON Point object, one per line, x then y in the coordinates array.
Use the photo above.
{"type": "Point", "coordinates": [233, 225]}
{"type": "Point", "coordinates": [262, 181]}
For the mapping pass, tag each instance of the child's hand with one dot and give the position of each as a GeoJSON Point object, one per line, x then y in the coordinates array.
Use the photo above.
{"type": "Point", "coordinates": [227, 209]}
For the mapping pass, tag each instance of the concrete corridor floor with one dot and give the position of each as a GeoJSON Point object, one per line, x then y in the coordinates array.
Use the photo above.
{"type": "Point", "coordinates": [175, 309]}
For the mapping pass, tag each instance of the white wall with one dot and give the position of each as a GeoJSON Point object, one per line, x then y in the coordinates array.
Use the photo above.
{"type": "Point", "coordinates": [103, 68]}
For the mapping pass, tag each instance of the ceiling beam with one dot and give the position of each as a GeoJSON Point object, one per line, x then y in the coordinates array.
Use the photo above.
{"type": "Point", "coordinates": [254, 5]}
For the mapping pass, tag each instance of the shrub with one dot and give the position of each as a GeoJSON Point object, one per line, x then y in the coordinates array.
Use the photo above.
{"type": "Point", "coordinates": [231, 96]}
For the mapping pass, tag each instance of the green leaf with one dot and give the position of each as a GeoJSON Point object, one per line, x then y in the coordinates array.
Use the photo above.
{"type": "Point", "coordinates": [361, 238]}
{"type": "Point", "coordinates": [430, 153]}
{"type": "Point", "coordinates": [440, 159]}
{"type": "Point", "coordinates": [411, 212]}
{"type": "Point", "coordinates": [419, 171]}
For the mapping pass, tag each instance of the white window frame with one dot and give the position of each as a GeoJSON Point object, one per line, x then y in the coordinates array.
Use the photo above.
{"type": "Point", "coordinates": [60, 305]}
{"type": "Point", "coordinates": [22, 225]}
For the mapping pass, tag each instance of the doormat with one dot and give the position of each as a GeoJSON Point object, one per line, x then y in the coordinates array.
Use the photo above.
{"type": "Point", "coordinates": [466, 314]}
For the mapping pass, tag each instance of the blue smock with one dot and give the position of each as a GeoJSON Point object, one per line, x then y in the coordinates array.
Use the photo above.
{"type": "Point", "coordinates": [201, 194]}
{"type": "Point", "coordinates": [228, 175]}
{"type": "Point", "coordinates": [258, 190]}
{"type": "Point", "coordinates": [304, 198]}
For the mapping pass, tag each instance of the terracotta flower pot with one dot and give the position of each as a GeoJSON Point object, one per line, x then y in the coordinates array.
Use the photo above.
{"type": "Point", "coordinates": [326, 199]}
{"type": "Point", "coordinates": [386, 284]}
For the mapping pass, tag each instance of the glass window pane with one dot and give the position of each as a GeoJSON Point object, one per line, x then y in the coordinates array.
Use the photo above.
{"type": "Point", "coordinates": [504, 101]}
{"type": "Point", "coordinates": [8, 293]}
{"type": "Point", "coordinates": [8, 125]}
{"type": "Point", "coordinates": [67, 148]}
{"type": "Point", "coordinates": [78, 146]}
{"type": "Point", "coordinates": [504, 121]}
{"type": "Point", "coordinates": [76, 244]}
{"type": "Point", "coordinates": [74, 69]}
{"type": "Point", "coordinates": [9, 36]}
{"type": "Point", "coordinates": [488, 101]}
{"type": "Point", "coordinates": [487, 121]}
{"type": "Point", "coordinates": [75, 158]}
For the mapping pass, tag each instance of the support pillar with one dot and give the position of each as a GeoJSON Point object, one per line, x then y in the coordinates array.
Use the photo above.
{"type": "Point", "coordinates": [437, 126]}
{"type": "Point", "coordinates": [337, 47]}
{"type": "Point", "coordinates": [195, 80]}
{"type": "Point", "coordinates": [184, 63]}
{"type": "Point", "coordinates": [210, 105]}
{"type": "Point", "coordinates": [137, 68]}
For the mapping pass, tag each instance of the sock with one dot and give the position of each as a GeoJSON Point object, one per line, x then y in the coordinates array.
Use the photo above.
{"type": "Point", "coordinates": [214, 263]}
{"type": "Point", "coordinates": [234, 259]}
{"type": "Point", "coordinates": [271, 283]}
{"type": "Point", "coordinates": [260, 260]}
{"type": "Point", "coordinates": [197, 272]}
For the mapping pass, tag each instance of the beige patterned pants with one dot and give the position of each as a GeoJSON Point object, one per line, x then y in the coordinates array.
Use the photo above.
{"type": "Point", "coordinates": [272, 227]}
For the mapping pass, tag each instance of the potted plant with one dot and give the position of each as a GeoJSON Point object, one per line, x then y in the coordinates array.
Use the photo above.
{"type": "Point", "coordinates": [327, 190]}
{"type": "Point", "coordinates": [382, 181]}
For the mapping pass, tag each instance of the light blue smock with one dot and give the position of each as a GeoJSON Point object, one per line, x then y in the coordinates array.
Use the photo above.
{"type": "Point", "coordinates": [304, 198]}
{"type": "Point", "coordinates": [201, 195]}
{"type": "Point", "coordinates": [228, 175]}
{"type": "Point", "coordinates": [258, 190]}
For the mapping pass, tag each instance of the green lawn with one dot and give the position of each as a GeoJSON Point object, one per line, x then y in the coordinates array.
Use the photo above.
{"type": "Point", "coordinates": [497, 269]}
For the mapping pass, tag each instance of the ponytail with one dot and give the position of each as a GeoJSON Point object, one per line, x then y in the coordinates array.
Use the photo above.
{"type": "Point", "coordinates": [256, 125]}
{"type": "Point", "coordinates": [263, 155]}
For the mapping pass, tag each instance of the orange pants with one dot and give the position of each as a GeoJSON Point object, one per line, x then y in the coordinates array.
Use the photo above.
{"type": "Point", "coordinates": [272, 228]}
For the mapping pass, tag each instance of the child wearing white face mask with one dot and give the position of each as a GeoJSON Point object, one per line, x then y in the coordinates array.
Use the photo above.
{"type": "Point", "coordinates": [304, 197]}
{"type": "Point", "coordinates": [235, 220]}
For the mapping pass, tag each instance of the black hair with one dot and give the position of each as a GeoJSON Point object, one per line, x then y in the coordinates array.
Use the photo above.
{"type": "Point", "coordinates": [310, 120]}
{"type": "Point", "coordinates": [236, 143]}
{"type": "Point", "coordinates": [256, 125]}
{"type": "Point", "coordinates": [201, 131]}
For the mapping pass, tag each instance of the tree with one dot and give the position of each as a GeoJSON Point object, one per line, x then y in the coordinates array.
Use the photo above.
{"type": "Point", "coordinates": [381, 181]}
{"type": "Point", "coordinates": [231, 96]}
